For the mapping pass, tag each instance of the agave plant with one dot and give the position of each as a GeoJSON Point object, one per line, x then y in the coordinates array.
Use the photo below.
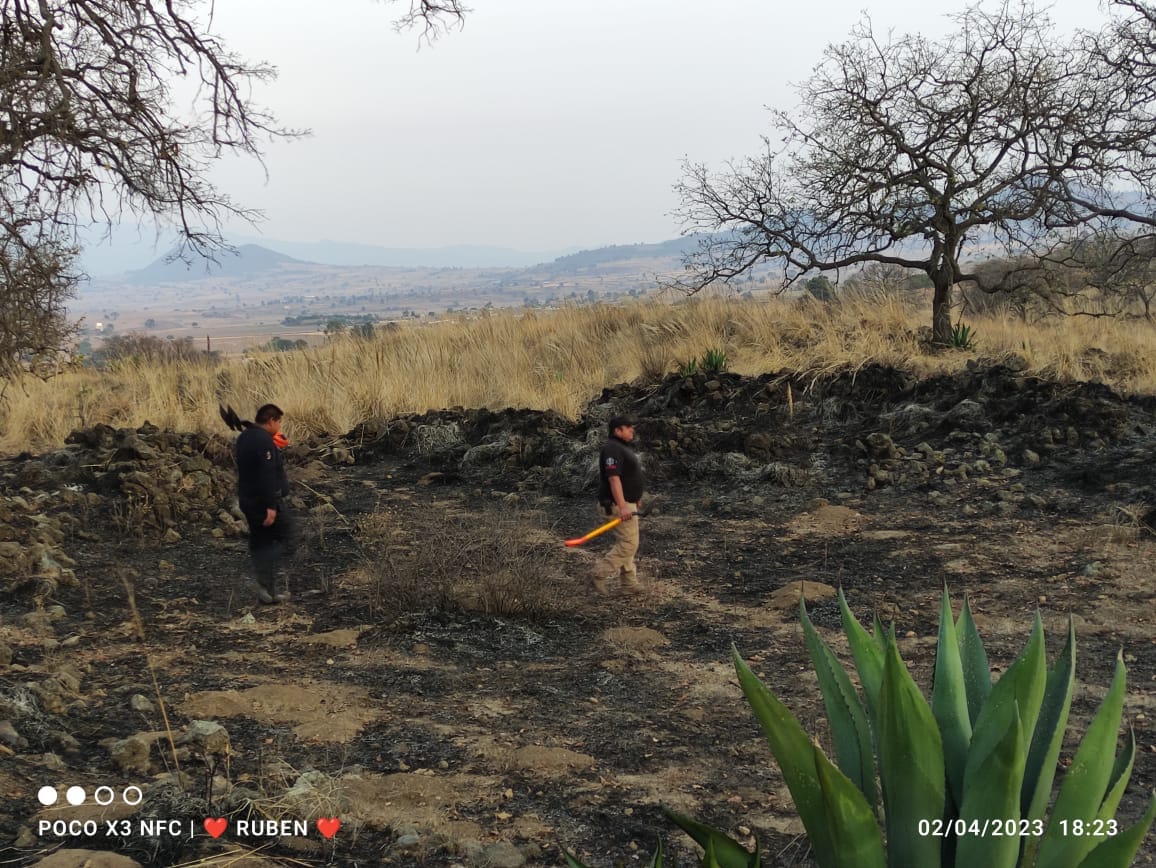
{"type": "Point", "coordinates": [966, 779]}
{"type": "Point", "coordinates": [714, 361]}
{"type": "Point", "coordinates": [962, 337]}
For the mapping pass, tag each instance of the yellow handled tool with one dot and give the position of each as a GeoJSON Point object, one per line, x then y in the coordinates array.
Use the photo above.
{"type": "Point", "coordinates": [614, 522]}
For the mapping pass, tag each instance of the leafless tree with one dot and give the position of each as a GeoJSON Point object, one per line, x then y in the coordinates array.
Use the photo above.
{"type": "Point", "coordinates": [905, 151]}
{"type": "Point", "coordinates": [115, 106]}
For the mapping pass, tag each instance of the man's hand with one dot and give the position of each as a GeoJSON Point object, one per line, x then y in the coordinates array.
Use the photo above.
{"type": "Point", "coordinates": [625, 512]}
{"type": "Point", "coordinates": [270, 517]}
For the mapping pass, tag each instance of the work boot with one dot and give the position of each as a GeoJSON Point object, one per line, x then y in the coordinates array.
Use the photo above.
{"type": "Point", "coordinates": [631, 585]}
{"type": "Point", "coordinates": [600, 585]}
{"type": "Point", "coordinates": [263, 594]}
{"type": "Point", "coordinates": [282, 597]}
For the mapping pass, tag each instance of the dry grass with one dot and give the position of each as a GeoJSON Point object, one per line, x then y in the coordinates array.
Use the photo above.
{"type": "Point", "coordinates": [494, 563]}
{"type": "Point", "coordinates": [555, 360]}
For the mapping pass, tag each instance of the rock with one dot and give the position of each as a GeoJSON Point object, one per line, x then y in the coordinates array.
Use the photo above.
{"type": "Point", "coordinates": [968, 415]}
{"type": "Point", "coordinates": [141, 703]}
{"type": "Point", "coordinates": [66, 742]}
{"type": "Point", "coordinates": [407, 843]}
{"type": "Point", "coordinates": [171, 536]}
{"type": "Point", "coordinates": [788, 597]}
{"type": "Point", "coordinates": [131, 754]}
{"type": "Point", "coordinates": [501, 855]}
{"type": "Point", "coordinates": [207, 737]}
{"type": "Point", "coordinates": [880, 445]}
{"type": "Point", "coordinates": [10, 737]}
{"type": "Point", "coordinates": [25, 839]}
{"type": "Point", "coordinates": [1031, 457]}
{"type": "Point", "coordinates": [38, 622]}
{"type": "Point", "coordinates": [6, 654]}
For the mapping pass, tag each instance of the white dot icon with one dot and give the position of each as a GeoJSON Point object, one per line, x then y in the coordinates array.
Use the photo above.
{"type": "Point", "coordinates": [75, 795]}
{"type": "Point", "coordinates": [47, 796]}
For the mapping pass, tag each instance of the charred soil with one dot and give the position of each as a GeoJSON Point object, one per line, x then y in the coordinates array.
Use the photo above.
{"type": "Point", "coordinates": [447, 684]}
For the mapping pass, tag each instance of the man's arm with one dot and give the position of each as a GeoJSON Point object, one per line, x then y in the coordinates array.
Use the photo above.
{"type": "Point", "coordinates": [624, 510]}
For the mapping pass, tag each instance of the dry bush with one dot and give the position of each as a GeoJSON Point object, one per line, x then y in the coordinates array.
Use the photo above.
{"type": "Point", "coordinates": [502, 564]}
{"type": "Point", "coordinates": [558, 360]}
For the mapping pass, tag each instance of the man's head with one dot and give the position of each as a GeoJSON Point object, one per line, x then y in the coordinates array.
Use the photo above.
{"type": "Point", "coordinates": [269, 418]}
{"type": "Point", "coordinates": [622, 427]}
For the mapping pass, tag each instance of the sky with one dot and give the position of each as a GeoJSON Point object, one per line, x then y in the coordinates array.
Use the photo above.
{"type": "Point", "coordinates": [540, 125]}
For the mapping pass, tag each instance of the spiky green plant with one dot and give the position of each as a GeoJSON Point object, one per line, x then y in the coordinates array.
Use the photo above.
{"type": "Point", "coordinates": [966, 779]}
{"type": "Point", "coordinates": [688, 368]}
{"type": "Point", "coordinates": [714, 361]}
{"type": "Point", "coordinates": [962, 337]}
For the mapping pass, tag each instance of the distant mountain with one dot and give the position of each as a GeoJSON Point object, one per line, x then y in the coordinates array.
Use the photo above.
{"type": "Point", "coordinates": [458, 256]}
{"type": "Point", "coordinates": [675, 248]}
{"type": "Point", "coordinates": [243, 261]}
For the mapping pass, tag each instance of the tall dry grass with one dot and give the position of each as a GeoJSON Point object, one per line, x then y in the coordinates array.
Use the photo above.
{"type": "Point", "coordinates": [555, 360]}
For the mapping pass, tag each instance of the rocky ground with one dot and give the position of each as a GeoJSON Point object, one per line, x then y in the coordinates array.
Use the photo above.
{"type": "Point", "coordinates": [446, 686]}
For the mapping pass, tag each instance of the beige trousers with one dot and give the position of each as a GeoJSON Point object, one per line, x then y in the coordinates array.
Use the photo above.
{"type": "Point", "coordinates": [620, 559]}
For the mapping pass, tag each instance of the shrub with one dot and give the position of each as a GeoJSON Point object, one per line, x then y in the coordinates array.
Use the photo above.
{"type": "Point", "coordinates": [714, 361]}
{"type": "Point", "coordinates": [962, 337]}
{"type": "Point", "coordinates": [497, 564]}
{"type": "Point", "coordinates": [966, 779]}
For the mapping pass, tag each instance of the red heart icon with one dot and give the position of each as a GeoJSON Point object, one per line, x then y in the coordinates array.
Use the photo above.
{"type": "Point", "coordinates": [216, 826]}
{"type": "Point", "coordinates": [328, 826]}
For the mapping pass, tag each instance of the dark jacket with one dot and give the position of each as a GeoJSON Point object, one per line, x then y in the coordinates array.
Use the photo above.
{"type": "Point", "coordinates": [261, 479]}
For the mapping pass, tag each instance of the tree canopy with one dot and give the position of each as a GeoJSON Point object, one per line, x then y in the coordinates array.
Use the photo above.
{"type": "Point", "coordinates": [908, 151]}
{"type": "Point", "coordinates": [94, 124]}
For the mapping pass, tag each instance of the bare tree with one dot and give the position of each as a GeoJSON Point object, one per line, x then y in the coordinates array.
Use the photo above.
{"type": "Point", "coordinates": [907, 150]}
{"type": "Point", "coordinates": [114, 106]}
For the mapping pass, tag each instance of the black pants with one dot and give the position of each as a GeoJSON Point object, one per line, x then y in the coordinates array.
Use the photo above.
{"type": "Point", "coordinates": [269, 547]}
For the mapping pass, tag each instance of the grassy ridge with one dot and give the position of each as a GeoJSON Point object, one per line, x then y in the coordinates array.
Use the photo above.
{"type": "Point", "coordinates": [555, 360]}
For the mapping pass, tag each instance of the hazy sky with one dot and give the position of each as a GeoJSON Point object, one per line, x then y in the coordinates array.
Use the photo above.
{"type": "Point", "coordinates": [542, 124]}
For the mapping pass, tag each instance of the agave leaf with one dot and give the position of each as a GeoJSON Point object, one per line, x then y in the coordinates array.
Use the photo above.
{"type": "Point", "coordinates": [1118, 782]}
{"type": "Point", "coordinates": [976, 670]}
{"type": "Point", "coordinates": [848, 720]}
{"type": "Point", "coordinates": [910, 766]}
{"type": "Point", "coordinates": [855, 832]}
{"type": "Point", "coordinates": [656, 861]}
{"type": "Point", "coordinates": [726, 852]}
{"type": "Point", "coordinates": [1086, 782]}
{"type": "Point", "coordinates": [1021, 685]}
{"type": "Point", "coordinates": [868, 655]}
{"type": "Point", "coordinates": [993, 793]}
{"type": "Point", "coordinates": [1119, 850]}
{"type": "Point", "coordinates": [710, 858]}
{"type": "Point", "coordinates": [794, 752]}
{"type": "Point", "coordinates": [949, 701]}
{"type": "Point", "coordinates": [571, 862]}
{"type": "Point", "coordinates": [1048, 737]}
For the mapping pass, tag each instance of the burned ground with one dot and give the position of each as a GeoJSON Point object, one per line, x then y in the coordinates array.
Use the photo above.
{"type": "Point", "coordinates": [456, 695]}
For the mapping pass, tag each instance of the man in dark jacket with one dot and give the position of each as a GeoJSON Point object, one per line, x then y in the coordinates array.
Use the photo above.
{"type": "Point", "coordinates": [620, 496]}
{"type": "Point", "coordinates": [261, 487]}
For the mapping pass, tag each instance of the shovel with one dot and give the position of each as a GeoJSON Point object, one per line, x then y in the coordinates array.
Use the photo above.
{"type": "Point", "coordinates": [614, 522]}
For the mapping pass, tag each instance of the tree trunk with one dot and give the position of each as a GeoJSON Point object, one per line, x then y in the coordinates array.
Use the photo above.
{"type": "Point", "coordinates": [941, 307]}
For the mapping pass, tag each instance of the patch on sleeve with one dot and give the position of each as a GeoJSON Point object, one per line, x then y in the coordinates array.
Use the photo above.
{"type": "Point", "coordinates": [268, 456]}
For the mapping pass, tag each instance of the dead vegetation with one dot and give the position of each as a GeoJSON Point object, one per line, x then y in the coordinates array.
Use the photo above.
{"type": "Point", "coordinates": [557, 360]}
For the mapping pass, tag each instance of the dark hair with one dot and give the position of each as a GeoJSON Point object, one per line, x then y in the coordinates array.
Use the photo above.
{"type": "Point", "coordinates": [617, 422]}
{"type": "Point", "coordinates": [267, 412]}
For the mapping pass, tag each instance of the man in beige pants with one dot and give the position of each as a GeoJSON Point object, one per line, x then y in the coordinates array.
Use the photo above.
{"type": "Point", "coordinates": [619, 494]}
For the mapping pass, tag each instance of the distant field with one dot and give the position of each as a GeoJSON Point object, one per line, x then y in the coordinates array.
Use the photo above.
{"type": "Point", "coordinates": [242, 313]}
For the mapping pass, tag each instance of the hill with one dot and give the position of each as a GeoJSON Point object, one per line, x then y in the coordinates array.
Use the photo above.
{"type": "Point", "coordinates": [243, 261]}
